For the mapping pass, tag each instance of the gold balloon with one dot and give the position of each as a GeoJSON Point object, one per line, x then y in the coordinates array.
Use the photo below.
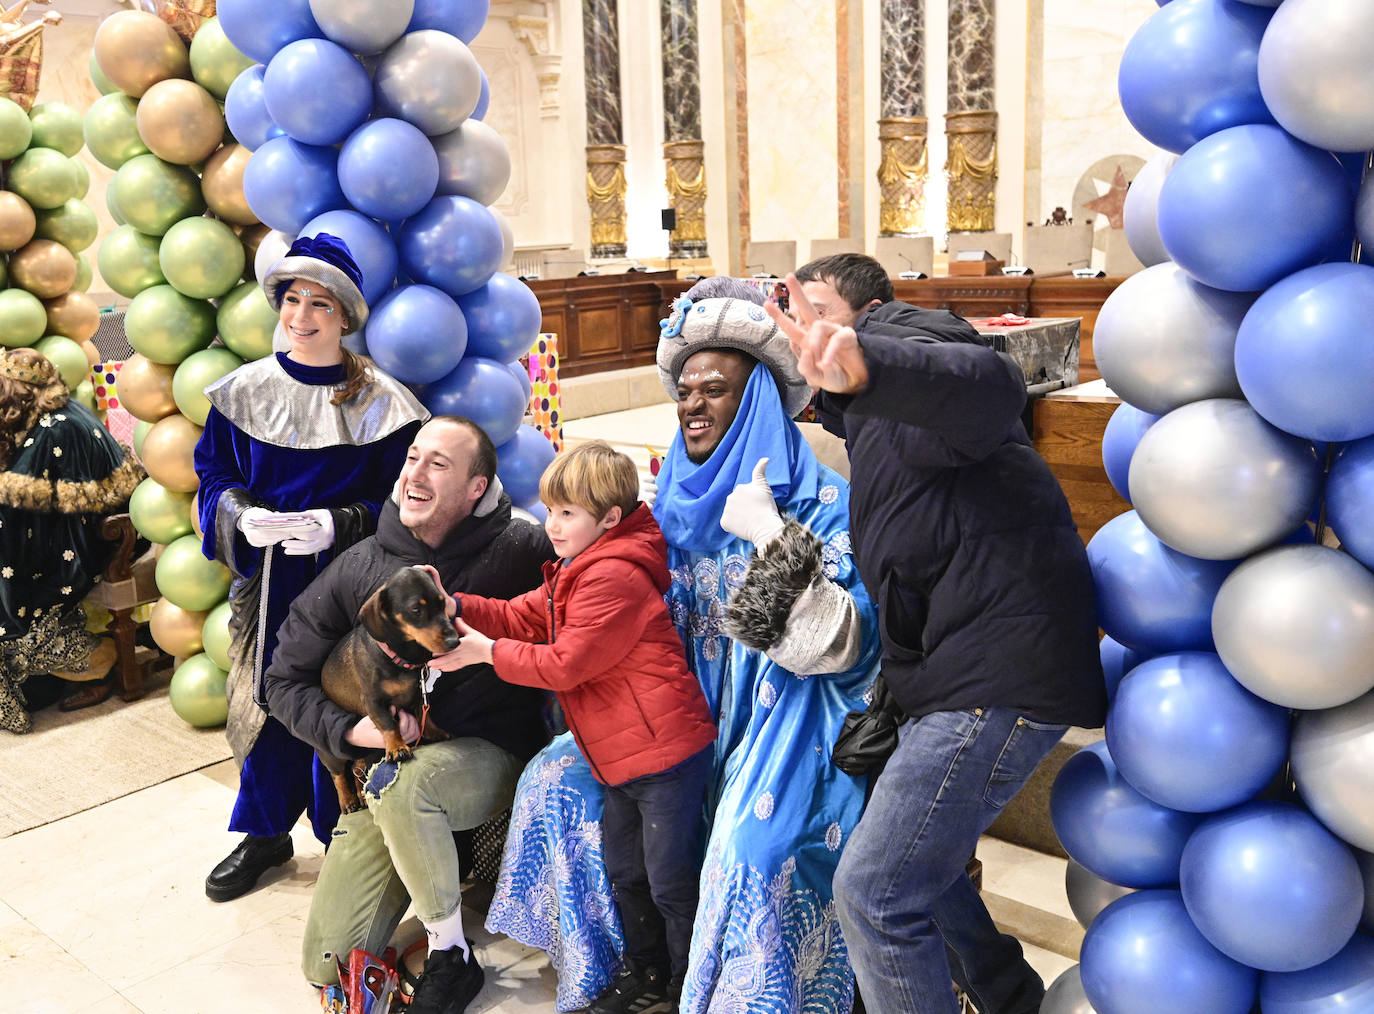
{"type": "Point", "coordinates": [180, 121]}
{"type": "Point", "coordinates": [135, 50]}
{"type": "Point", "coordinates": [144, 389]}
{"type": "Point", "coordinates": [176, 630]}
{"type": "Point", "coordinates": [222, 185]}
{"type": "Point", "coordinates": [250, 236]}
{"type": "Point", "coordinates": [168, 453]}
{"type": "Point", "coordinates": [44, 267]}
{"type": "Point", "coordinates": [17, 221]}
{"type": "Point", "coordinates": [93, 355]}
{"type": "Point", "coordinates": [195, 516]}
{"type": "Point", "coordinates": [73, 314]}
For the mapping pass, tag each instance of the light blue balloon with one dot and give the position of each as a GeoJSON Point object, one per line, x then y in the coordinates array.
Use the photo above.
{"type": "Point", "coordinates": [1143, 955]}
{"type": "Point", "coordinates": [453, 244]}
{"type": "Point", "coordinates": [1297, 357]}
{"type": "Point", "coordinates": [370, 244]}
{"type": "Point", "coordinates": [388, 169]}
{"type": "Point", "coordinates": [521, 373]}
{"type": "Point", "coordinates": [1268, 886]}
{"type": "Point", "coordinates": [288, 183]}
{"type": "Point", "coordinates": [1186, 735]}
{"type": "Point", "coordinates": [1117, 661]}
{"type": "Point", "coordinates": [520, 462]}
{"type": "Point", "coordinates": [245, 110]}
{"type": "Point", "coordinates": [1193, 69]}
{"type": "Point", "coordinates": [260, 28]}
{"type": "Point", "coordinates": [417, 334]}
{"type": "Point", "coordinates": [503, 318]}
{"type": "Point", "coordinates": [1110, 829]}
{"type": "Point", "coordinates": [1124, 430]}
{"type": "Point", "coordinates": [303, 104]}
{"type": "Point", "coordinates": [1249, 205]}
{"type": "Point", "coordinates": [482, 390]}
{"type": "Point", "coordinates": [463, 18]}
{"type": "Point", "coordinates": [1350, 499]}
{"type": "Point", "coordinates": [483, 99]}
{"type": "Point", "coordinates": [1343, 985]}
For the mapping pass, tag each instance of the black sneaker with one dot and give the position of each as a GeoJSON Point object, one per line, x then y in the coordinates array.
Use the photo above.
{"type": "Point", "coordinates": [634, 990]}
{"type": "Point", "coordinates": [449, 982]}
{"type": "Point", "coordinates": [675, 985]}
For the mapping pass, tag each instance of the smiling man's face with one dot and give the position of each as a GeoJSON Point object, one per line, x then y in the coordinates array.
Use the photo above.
{"type": "Point", "coordinates": [437, 489]}
{"type": "Point", "coordinates": [709, 391]}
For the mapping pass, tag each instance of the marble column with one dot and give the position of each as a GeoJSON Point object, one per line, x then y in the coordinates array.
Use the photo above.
{"type": "Point", "coordinates": [902, 130]}
{"type": "Point", "coordinates": [971, 122]}
{"type": "Point", "coordinates": [605, 144]}
{"type": "Point", "coordinates": [683, 148]}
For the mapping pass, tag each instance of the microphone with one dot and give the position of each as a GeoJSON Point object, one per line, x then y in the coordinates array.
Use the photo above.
{"type": "Point", "coordinates": [910, 274]}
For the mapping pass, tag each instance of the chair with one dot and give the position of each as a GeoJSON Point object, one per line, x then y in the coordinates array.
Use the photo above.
{"type": "Point", "coordinates": [830, 247]}
{"type": "Point", "coordinates": [996, 243]}
{"type": "Point", "coordinates": [1057, 249]}
{"type": "Point", "coordinates": [125, 584]}
{"type": "Point", "coordinates": [563, 263]}
{"type": "Point", "coordinates": [906, 253]}
{"type": "Point", "coordinates": [772, 258]}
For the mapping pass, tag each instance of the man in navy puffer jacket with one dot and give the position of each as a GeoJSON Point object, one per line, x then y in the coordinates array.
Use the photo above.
{"type": "Point", "coordinates": [989, 633]}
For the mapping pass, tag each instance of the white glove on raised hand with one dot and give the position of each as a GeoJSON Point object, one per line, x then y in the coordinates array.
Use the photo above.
{"type": "Point", "coordinates": [751, 512]}
{"type": "Point", "coordinates": [316, 540]}
{"type": "Point", "coordinates": [257, 536]}
{"type": "Point", "coordinates": [648, 489]}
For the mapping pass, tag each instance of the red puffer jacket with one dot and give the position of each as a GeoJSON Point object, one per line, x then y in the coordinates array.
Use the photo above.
{"type": "Point", "coordinates": [610, 652]}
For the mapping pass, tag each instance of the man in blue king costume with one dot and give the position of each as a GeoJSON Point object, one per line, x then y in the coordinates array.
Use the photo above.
{"type": "Point", "coordinates": [319, 431]}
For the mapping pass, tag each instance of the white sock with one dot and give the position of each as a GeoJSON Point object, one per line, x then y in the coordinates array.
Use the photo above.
{"type": "Point", "coordinates": [447, 932]}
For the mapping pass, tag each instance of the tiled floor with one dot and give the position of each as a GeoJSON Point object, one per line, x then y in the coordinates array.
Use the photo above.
{"type": "Point", "coordinates": [104, 912]}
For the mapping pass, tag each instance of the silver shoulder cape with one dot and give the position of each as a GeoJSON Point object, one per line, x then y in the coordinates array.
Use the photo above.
{"type": "Point", "coordinates": [268, 404]}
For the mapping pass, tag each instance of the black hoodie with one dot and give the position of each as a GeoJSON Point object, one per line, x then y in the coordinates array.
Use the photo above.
{"type": "Point", "coordinates": [492, 555]}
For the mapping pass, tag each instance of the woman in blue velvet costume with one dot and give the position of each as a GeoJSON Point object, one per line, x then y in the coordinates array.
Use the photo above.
{"type": "Point", "coordinates": [299, 451]}
{"type": "Point", "coordinates": [767, 937]}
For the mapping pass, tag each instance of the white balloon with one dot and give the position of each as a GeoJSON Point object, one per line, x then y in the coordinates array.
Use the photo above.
{"type": "Point", "coordinates": [362, 26]}
{"type": "Point", "coordinates": [1163, 340]}
{"type": "Point", "coordinates": [1295, 625]}
{"type": "Point", "coordinates": [1316, 72]}
{"type": "Point", "coordinates": [272, 249]}
{"type": "Point", "coordinates": [1333, 764]}
{"type": "Point", "coordinates": [473, 162]}
{"type": "Point", "coordinates": [430, 79]}
{"type": "Point", "coordinates": [1142, 208]}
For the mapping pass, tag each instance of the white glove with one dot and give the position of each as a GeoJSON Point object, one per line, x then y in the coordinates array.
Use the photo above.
{"type": "Point", "coordinates": [257, 534]}
{"type": "Point", "coordinates": [317, 539]}
{"type": "Point", "coordinates": [751, 512]}
{"type": "Point", "coordinates": [648, 489]}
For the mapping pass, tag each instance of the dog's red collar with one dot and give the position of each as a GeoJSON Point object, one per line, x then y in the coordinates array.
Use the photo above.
{"type": "Point", "coordinates": [386, 650]}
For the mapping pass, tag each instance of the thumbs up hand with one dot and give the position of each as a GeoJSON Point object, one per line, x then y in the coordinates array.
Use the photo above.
{"type": "Point", "coordinates": [750, 512]}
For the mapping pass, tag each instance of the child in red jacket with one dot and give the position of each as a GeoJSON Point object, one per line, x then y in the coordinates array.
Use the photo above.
{"type": "Point", "coordinates": [599, 635]}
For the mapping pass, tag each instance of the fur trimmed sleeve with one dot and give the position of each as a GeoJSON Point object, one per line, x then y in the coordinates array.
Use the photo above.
{"type": "Point", "coordinates": [789, 611]}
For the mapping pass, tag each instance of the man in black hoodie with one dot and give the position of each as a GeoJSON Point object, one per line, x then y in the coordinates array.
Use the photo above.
{"type": "Point", "coordinates": [447, 512]}
{"type": "Point", "coordinates": [985, 608]}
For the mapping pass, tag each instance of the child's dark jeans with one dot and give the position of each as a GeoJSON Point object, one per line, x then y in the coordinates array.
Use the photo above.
{"type": "Point", "coordinates": [651, 838]}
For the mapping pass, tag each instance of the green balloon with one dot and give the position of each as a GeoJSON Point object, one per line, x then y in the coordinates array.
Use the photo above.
{"type": "Point", "coordinates": [84, 392]}
{"type": "Point", "coordinates": [68, 357]}
{"type": "Point", "coordinates": [201, 257]}
{"type": "Point", "coordinates": [73, 225]}
{"type": "Point", "coordinates": [159, 514]}
{"type": "Point", "coordinates": [166, 326]}
{"type": "Point", "coordinates": [154, 195]}
{"type": "Point", "coordinates": [83, 179]}
{"type": "Point", "coordinates": [215, 635]}
{"type": "Point", "coordinates": [56, 125]}
{"type": "Point", "coordinates": [141, 429]}
{"type": "Point", "coordinates": [16, 129]}
{"type": "Point", "coordinates": [102, 84]}
{"type": "Point", "coordinates": [197, 372]}
{"type": "Point", "coordinates": [84, 275]}
{"type": "Point", "coordinates": [187, 579]}
{"type": "Point", "coordinates": [113, 205]}
{"type": "Point", "coordinates": [22, 318]}
{"type": "Point", "coordinates": [111, 130]}
{"type": "Point", "coordinates": [246, 321]}
{"type": "Point", "coordinates": [128, 261]}
{"type": "Point", "coordinates": [214, 60]}
{"type": "Point", "coordinates": [197, 692]}
{"type": "Point", "coordinates": [43, 177]}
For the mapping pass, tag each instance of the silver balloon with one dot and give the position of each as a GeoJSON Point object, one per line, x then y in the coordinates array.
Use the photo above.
{"type": "Point", "coordinates": [430, 79]}
{"type": "Point", "coordinates": [362, 26]}
{"type": "Point", "coordinates": [507, 237]}
{"type": "Point", "coordinates": [271, 249]}
{"type": "Point", "coordinates": [473, 162]}
{"type": "Point", "coordinates": [1295, 625]}
{"type": "Point", "coordinates": [1066, 996]}
{"type": "Point", "coordinates": [1316, 73]}
{"type": "Point", "coordinates": [1141, 211]}
{"type": "Point", "coordinates": [1088, 893]}
{"type": "Point", "coordinates": [1366, 861]}
{"type": "Point", "coordinates": [1214, 480]}
{"type": "Point", "coordinates": [1333, 764]}
{"type": "Point", "coordinates": [1163, 340]}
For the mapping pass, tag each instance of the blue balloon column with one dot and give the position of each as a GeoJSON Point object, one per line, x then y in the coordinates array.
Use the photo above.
{"type": "Point", "coordinates": [357, 148]}
{"type": "Point", "coordinates": [1219, 620]}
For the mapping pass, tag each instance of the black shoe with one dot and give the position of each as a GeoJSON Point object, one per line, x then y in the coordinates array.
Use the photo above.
{"type": "Point", "coordinates": [449, 982]}
{"type": "Point", "coordinates": [675, 985]}
{"type": "Point", "coordinates": [635, 989]}
{"type": "Point", "coordinates": [240, 869]}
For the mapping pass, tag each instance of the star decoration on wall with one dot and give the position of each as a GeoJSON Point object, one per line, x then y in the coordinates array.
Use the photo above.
{"type": "Point", "coordinates": [1113, 202]}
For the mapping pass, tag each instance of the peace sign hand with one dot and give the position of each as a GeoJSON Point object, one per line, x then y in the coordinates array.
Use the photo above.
{"type": "Point", "coordinates": [828, 354]}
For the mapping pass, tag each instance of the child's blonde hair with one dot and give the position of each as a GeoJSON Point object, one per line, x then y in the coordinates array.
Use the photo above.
{"type": "Point", "coordinates": [593, 476]}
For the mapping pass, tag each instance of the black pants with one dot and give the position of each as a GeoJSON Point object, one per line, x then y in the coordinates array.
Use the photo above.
{"type": "Point", "coordinates": [651, 839]}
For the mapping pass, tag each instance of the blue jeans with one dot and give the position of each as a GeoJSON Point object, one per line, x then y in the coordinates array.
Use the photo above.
{"type": "Point", "coordinates": [912, 919]}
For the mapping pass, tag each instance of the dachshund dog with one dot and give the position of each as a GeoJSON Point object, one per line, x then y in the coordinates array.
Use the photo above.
{"type": "Point", "coordinates": [382, 663]}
